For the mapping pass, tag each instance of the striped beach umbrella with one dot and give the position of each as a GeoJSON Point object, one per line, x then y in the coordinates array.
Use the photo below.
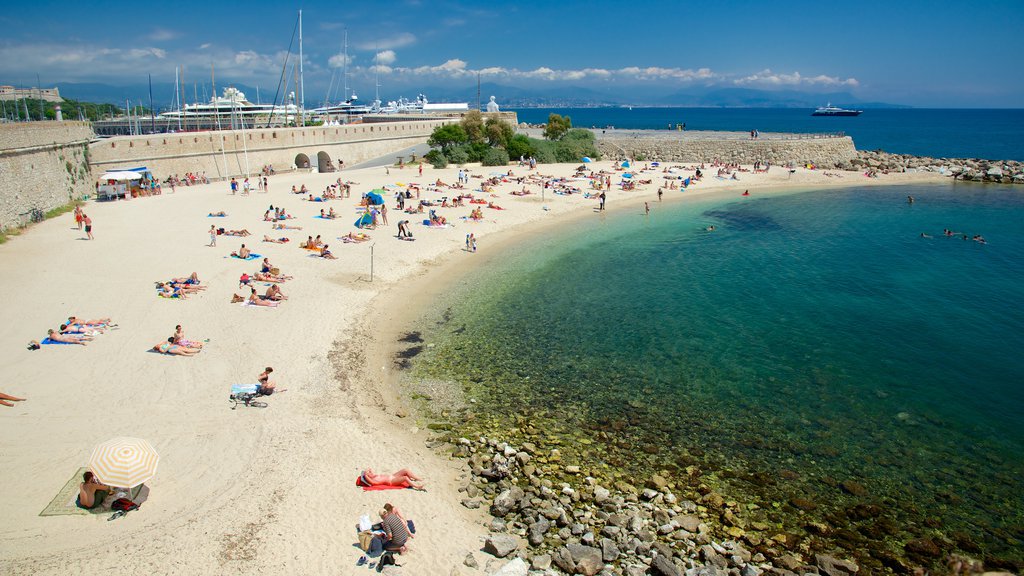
{"type": "Point", "coordinates": [124, 462]}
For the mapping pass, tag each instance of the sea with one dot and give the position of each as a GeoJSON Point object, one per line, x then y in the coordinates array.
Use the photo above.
{"type": "Point", "coordinates": [831, 359]}
{"type": "Point", "coordinates": [970, 133]}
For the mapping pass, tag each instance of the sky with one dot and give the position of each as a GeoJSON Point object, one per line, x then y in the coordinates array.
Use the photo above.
{"type": "Point", "coordinates": [938, 53]}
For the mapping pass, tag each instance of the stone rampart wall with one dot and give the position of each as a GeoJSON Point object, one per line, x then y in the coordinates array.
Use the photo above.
{"type": "Point", "coordinates": [43, 165]}
{"type": "Point", "coordinates": [825, 151]}
{"type": "Point", "coordinates": [224, 154]}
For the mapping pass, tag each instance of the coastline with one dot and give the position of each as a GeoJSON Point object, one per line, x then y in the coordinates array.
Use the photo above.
{"type": "Point", "coordinates": [235, 488]}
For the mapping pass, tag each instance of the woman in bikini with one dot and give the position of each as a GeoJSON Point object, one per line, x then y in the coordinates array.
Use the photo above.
{"type": "Point", "coordinates": [255, 300]}
{"type": "Point", "coordinates": [403, 478]}
{"type": "Point", "coordinates": [266, 387]}
{"type": "Point", "coordinates": [180, 340]}
{"type": "Point", "coordinates": [173, 349]}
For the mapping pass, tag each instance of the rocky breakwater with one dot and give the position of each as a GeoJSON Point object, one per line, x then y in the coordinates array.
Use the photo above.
{"type": "Point", "coordinates": [550, 519]}
{"type": "Point", "coordinates": [730, 147]}
{"type": "Point", "coordinates": [971, 170]}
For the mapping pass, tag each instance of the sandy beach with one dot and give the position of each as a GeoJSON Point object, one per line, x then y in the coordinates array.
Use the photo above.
{"type": "Point", "coordinates": [256, 490]}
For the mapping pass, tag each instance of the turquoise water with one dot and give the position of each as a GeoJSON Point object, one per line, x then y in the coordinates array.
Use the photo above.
{"type": "Point", "coordinates": [811, 339]}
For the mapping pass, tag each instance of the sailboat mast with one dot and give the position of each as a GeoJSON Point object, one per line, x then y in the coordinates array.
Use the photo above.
{"type": "Point", "coordinates": [344, 73]}
{"type": "Point", "coordinates": [302, 85]}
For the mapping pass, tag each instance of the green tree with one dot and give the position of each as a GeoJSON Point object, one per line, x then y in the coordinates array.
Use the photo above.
{"type": "Point", "coordinates": [495, 157]}
{"type": "Point", "coordinates": [498, 132]}
{"type": "Point", "coordinates": [519, 146]}
{"type": "Point", "coordinates": [557, 126]}
{"type": "Point", "coordinates": [473, 124]}
{"type": "Point", "coordinates": [447, 136]}
{"type": "Point", "coordinates": [436, 158]}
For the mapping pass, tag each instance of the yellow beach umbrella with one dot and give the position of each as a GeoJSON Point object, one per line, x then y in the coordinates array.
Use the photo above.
{"type": "Point", "coordinates": [124, 462]}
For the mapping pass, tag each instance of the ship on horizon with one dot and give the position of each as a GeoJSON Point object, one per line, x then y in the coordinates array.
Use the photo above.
{"type": "Point", "coordinates": [830, 110]}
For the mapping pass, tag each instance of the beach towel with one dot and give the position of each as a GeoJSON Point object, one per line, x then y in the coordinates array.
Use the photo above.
{"type": "Point", "coordinates": [244, 388]}
{"type": "Point", "coordinates": [246, 304]}
{"type": "Point", "coordinates": [361, 484]}
{"type": "Point", "coordinates": [324, 217]}
{"type": "Point", "coordinates": [48, 341]}
{"type": "Point", "coordinates": [64, 503]}
{"type": "Point", "coordinates": [252, 256]}
{"type": "Point", "coordinates": [215, 216]}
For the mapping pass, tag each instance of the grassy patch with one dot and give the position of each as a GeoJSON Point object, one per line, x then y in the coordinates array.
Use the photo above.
{"type": "Point", "coordinates": [61, 210]}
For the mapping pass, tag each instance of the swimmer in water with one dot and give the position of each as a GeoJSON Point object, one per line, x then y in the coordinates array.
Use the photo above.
{"type": "Point", "coordinates": [923, 235]}
{"type": "Point", "coordinates": [910, 199]}
{"type": "Point", "coordinates": [710, 228]}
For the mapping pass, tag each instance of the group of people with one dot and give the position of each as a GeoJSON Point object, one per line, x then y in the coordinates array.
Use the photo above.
{"type": "Point", "coordinates": [178, 345]}
{"type": "Point", "coordinates": [179, 287]}
{"type": "Point", "coordinates": [75, 331]}
{"type": "Point", "coordinates": [82, 219]}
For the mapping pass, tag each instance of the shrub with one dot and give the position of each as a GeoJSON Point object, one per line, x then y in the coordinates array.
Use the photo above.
{"type": "Point", "coordinates": [519, 146]}
{"type": "Point", "coordinates": [458, 154]}
{"type": "Point", "coordinates": [543, 151]}
{"type": "Point", "coordinates": [495, 157]}
{"type": "Point", "coordinates": [436, 159]}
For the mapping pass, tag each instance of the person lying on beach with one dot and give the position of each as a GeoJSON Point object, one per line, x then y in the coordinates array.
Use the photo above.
{"type": "Point", "coordinates": [404, 478]}
{"type": "Point", "coordinates": [91, 492]}
{"type": "Point", "coordinates": [76, 329]}
{"type": "Point", "coordinates": [165, 290]}
{"type": "Point", "coordinates": [98, 322]}
{"type": "Point", "coordinates": [256, 300]}
{"type": "Point", "coordinates": [476, 214]}
{"type": "Point", "coordinates": [191, 279]}
{"type": "Point", "coordinates": [67, 338]}
{"type": "Point", "coordinates": [173, 349]}
{"type": "Point", "coordinates": [180, 340]}
{"type": "Point", "coordinates": [354, 237]}
{"type": "Point", "coordinates": [242, 253]}
{"type": "Point", "coordinates": [325, 253]}
{"type": "Point", "coordinates": [494, 206]}
{"type": "Point", "coordinates": [268, 277]}
{"type": "Point", "coordinates": [274, 293]}
{"type": "Point", "coordinates": [275, 240]}
{"type": "Point", "coordinates": [242, 232]}
{"type": "Point", "coordinates": [286, 227]}
{"type": "Point", "coordinates": [6, 399]}
{"type": "Point", "coordinates": [220, 214]}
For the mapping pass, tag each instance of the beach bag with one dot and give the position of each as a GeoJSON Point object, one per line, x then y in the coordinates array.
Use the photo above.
{"type": "Point", "coordinates": [275, 271]}
{"type": "Point", "coordinates": [124, 504]}
{"type": "Point", "coordinates": [365, 540]}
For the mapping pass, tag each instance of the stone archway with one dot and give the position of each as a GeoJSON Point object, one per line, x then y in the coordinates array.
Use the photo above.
{"type": "Point", "coordinates": [301, 161]}
{"type": "Point", "coordinates": [323, 162]}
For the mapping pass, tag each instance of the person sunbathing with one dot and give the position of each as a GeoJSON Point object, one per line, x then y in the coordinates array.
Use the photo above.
{"type": "Point", "coordinates": [101, 322]}
{"type": "Point", "coordinates": [220, 214]}
{"type": "Point", "coordinates": [331, 213]}
{"type": "Point", "coordinates": [256, 300]}
{"type": "Point", "coordinates": [476, 214]}
{"type": "Point", "coordinates": [325, 253]}
{"type": "Point", "coordinates": [268, 277]}
{"type": "Point", "coordinates": [6, 399]}
{"type": "Point", "coordinates": [67, 338]}
{"type": "Point", "coordinates": [242, 253]}
{"type": "Point", "coordinates": [192, 279]}
{"type": "Point", "coordinates": [173, 349]}
{"type": "Point", "coordinates": [92, 492]}
{"type": "Point", "coordinates": [165, 290]}
{"type": "Point", "coordinates": [274, 293]}
{"type": "Point", "coordinates": [242, 232]}
{"type": "Point", "coordinates": [180, 340]}
{"type": "Point", "coordinates": [76, 329]}
{"type": "Point", "coordinates": [186, 287]}
{"type": "Point", "coordinates": [354, 237]}
{"type": "Point", "coordinates": [495, 206]}
{"type": "Point", "coordinates": [404, 478]}
{"type": "Point", "coordinates": [275, 240]}
{"type": "Point", "coordinates": [286, 227]}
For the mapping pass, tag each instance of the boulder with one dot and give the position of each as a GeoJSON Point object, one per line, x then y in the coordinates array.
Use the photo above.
{"type": "Point", "coordinates": [689, 522]}
{"type": "Point", "coordinates": [537, 531]}
{"type": "Point", "coordinates": [609, 551]}
{"type": "Point", "coordinates": [832, 566]}
{"type": "Point", "coordinates": [500, 545]}
{"type": "Point", "coordinates": [563, 559]}
{"type": "Point", "coordinates": [507, 501]}
{"type": "Point", "coordinates": [662, 566]}
{"type": "Point", "coordinates": [587, 558]}
{"type": "Point", "coordinates": [540, 562]}
{"type": "Point", "coordinates": [516, 567]}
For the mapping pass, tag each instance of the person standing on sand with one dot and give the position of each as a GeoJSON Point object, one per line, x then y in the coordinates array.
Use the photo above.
{"type": "Point", "coordinates": [213, 236]}
{"type": "Point", "coordinates": [266, 185]}
{"type": "Point", "coordinates": [647, 209]}
{"type": "Point", "coordinates": [234, 186]}
{"type": "Point", "coordinates": [88, 226]}
{"type": "Point", "coordinates": [659, 194]}
{"type": "Point", "coordinates": [384, 213]}
{"type": "Point", "coordinates": [421, 168]}
{"type": "Point", "coordinates": [78, 216]}
{"type": "Point", "coordinates": [603, 196]}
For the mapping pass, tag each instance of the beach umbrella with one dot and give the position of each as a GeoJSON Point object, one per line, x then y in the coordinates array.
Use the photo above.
{"type": "Point", "coordinates": [124, 462]}
{"type": "Point", "coordinates": [625, 164]}
{"type": "Point", "coordinates": [375, 198]}
{"type": "Point", "coordinates": [587, 159]}
{"type": "Point", "coordinates": [627, 175]}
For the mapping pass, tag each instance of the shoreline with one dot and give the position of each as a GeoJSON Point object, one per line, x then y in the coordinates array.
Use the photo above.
{"type": "Point", "coordinates": [234, 486]}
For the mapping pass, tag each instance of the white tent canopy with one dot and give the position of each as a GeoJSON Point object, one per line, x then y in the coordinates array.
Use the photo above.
{"type": "Point", "coordinates": [121, 176]}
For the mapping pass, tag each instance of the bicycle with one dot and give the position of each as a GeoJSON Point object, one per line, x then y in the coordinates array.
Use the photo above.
{"type": "Point", "coordinates": [35, 215]}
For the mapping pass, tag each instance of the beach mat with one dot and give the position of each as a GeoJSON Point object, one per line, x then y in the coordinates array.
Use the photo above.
{"type": "Point", "coordinates": [63, 504]}
{"type": "Point", "coordinates": [212, 216]}
{"type": "Point", "coordinates": [54, 342]}
{"type": "Point", "coordinates": [252, 256]}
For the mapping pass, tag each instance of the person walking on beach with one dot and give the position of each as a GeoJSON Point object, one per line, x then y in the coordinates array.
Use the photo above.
{"type": "Point", "coordinates": [78, 216]}
{"type": "Point", "coordinates": [234, 186]}
{"type": "Point", "coordinates": [603, 197]}
{"type": "Point", "coordinates": [266, 185]}
{"type": "Point", "coordinates": [213, 236]}
{"type": "Point", "coordinates": [659, 194]}
{"type": "Point", "coordinates": [88, 226]}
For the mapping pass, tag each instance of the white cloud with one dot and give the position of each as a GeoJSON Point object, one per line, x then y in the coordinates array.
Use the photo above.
{"type": "Point", "coordinates": [385, 57]}
{"type": "Point", "coordinates": [768, 78]}
{"type": "Point", "coordinates": [161, 35]}
{"type": "Point", "coordinates": [399, 40]}
{"type": "Point", "coordinates": [340, 60]}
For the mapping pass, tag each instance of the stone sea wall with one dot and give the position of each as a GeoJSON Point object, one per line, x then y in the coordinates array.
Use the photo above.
{"type": "Point", "coordinates": [666, 146]}
{"type": "Point", "coordinates": [235, 153]}
{"type": "Point", "coordinates": [43, 165]}
{"type": "Point", "coordinates": [969, 169]}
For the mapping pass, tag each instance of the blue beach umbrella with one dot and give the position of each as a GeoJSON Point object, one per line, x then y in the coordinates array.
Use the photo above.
{"type": "Point", "coordinates": [587, 159]}
{"type": "Point", "coordinates": [627, 175]}
{"type": "Point", "coordinates": [625, 164]}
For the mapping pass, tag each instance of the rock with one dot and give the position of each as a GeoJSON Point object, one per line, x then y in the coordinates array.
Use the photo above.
{"type": "Point", "coordinates": [500, 545]}
{"type": "Point", "coordinates": [803, 504]}
{"type": "Point", "coordinates": [601, 494]}
{"type": "Point", "coordinates": [609, 551]}
{"type": "Point", "coordinates": [649, 494]}
{"type": "Point", "coordinates": [788, 561]}
{"type": "Point", "coordinates": [923, 548]}
{"type": "Point", "coordinates": [563, 559]}
{"type": "Point", "coordinates": [572, 469]}
{"type": "Point", "coordinates": [471, 561]}
{"type": "Point", "coordinates": [657, 482]}
{"type": "Point", "coordinates": [750, 570]}
{"type": "Point", "coordinates": [516, 567]}
{"type": "Point", "coordinates": [540, 562]}
{"type": "Point", "coordinates": [833, 566]}
{"type": "Point", "coordinates": [587, 558]}
{"type": "Point", "coordinates": [713, 500]}
{"type": "Point", "coordinates": [507, 501]}
{"type": "Point", "coordinates": [662, 566]}
{"type": "Point", "coordinates": [537, 531]}
{"type": "Point", "coordinates": [625, 487]}
{"type": "Point", "coordinates": [471, 503]}
{"type": "Point", "coordinates": [711, 556]}
{"type": "Point", "coordinates": [498, 525]}
{"type": "Point", "coordinates": [853, 488]}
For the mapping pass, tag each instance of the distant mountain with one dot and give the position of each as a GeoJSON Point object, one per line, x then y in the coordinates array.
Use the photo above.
{"type": "Point", "coordinates": [754, 98]}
